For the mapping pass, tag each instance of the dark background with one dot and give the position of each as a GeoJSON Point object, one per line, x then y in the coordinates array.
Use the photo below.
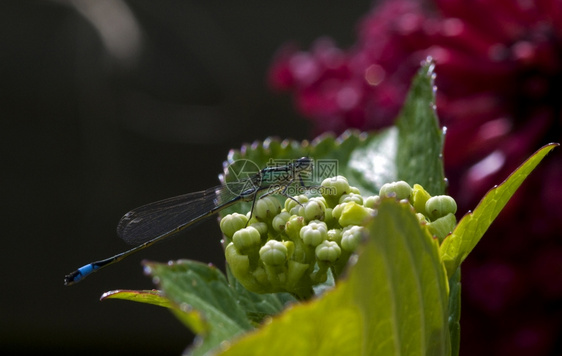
{"type": "Point", "coordinates": [107, 105]}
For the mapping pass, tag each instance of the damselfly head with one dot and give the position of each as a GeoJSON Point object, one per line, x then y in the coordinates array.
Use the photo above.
{"type": "Point", "coordinates": [303, 164]}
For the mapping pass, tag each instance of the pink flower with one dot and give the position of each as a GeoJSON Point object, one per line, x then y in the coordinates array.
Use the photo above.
{"type": "Point", "coordinates": [499, 74]}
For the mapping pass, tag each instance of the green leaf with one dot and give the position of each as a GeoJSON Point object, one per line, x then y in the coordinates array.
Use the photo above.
{"type": "Point", "coordinates": [190, 317]}
{"type": "Point", "coordinates": [455, 311]}
{"type": "Point", "coordinates": [473, 225]}
{"type": "Point", "coordinates": [154, 297]}
{"type": "Point", "coordinates": [393, 302]}
{"type": "Point", "coordinates": [193, 285]}
{"type": "Point", "coordinates": [420, 137]}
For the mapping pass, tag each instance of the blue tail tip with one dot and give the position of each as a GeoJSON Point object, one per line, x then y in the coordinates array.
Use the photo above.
{"type": "Point", "coordinates": [72, 278]}
{"type": "Point", "coordinates": [79, 274]}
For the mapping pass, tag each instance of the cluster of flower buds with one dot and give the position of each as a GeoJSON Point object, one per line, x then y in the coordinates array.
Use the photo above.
{"type": "Point", "coordinates": [293, 248]}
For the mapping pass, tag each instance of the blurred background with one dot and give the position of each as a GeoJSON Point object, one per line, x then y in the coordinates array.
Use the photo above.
{"type": "Point", "coordinates": [107, 105]}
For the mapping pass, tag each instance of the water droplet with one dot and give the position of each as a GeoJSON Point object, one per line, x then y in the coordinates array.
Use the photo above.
{"type": "Point", "coordinates": [353, 260]}
{"type": "Point", "coordinates": [225, 345]}
{"type": "Point", "coordinates": [147, 270]}
{"type": "Point", "coordinates": [186, 307]}
{"type": "Point", "coordinates": [374, 74]}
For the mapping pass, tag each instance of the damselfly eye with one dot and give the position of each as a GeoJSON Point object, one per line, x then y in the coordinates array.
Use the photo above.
{"type": "Point", "coordinates": [303, 163]}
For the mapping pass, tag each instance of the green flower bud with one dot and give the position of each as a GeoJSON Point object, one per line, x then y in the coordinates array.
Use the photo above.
{"type": "Point", "coordinates": [290, 248]}
{"type": "Point", "coordinates": [337, 210]}
{"type": "Point", "coordinates": [351, 236]}
{"type": "Point", "coordinates": [442, 226]}
{"type": "Point", "coordinates": [294, 226]}
{"type": "Point", "coordinates": [354, 190]}
{"type": "Point", "coordinates": [251, 218]}
{"type": "Point", "coordinates": [261, 227]}
{"type": "Point", "coordinates": [333, 189]}
{"type": "Point", "coordinates": [266, 208]}
{"type": "Point", "coordinates": [298, 210]}
{"type": "Point", "coordinates": [357, 198]}
{"type": "Point", "coordinates": [328, 251]}
{"type": "Point", "coordinates": [439, 206]}
{"type": "Point", "coordinates": [322, 200]}
{"type": "Point", "coordinates": [290, 204]}
{"type": "Point", "coordinates": [354, 214]}
{"type": "Point", "coordinates": [240, 266]}
{"type": "Point", "coordinates": [280, 220]}
{"type": "Point", "coordinates": [372, 201]}
{"type": "Point", "coordinates": [400, 190]}
{"type": "Point", "coordinates": [236, 261]}
{"type": "Point", "coordinates": [418, 198]}
{"type": "Point", "coordinates": [314, 209]}
{"type": "Point", "coordinates": [274, 253]}
{"type": "Point", "coordinates": [246, 238]}
{"type": "Point", "coordinates": [328, 215]}
{"type": "Point", "coordinates": [314, 233]}
{"type": "Point", "coordinates": [232, 223]}
{"type": "Point", "coordinates": [335, 235]}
